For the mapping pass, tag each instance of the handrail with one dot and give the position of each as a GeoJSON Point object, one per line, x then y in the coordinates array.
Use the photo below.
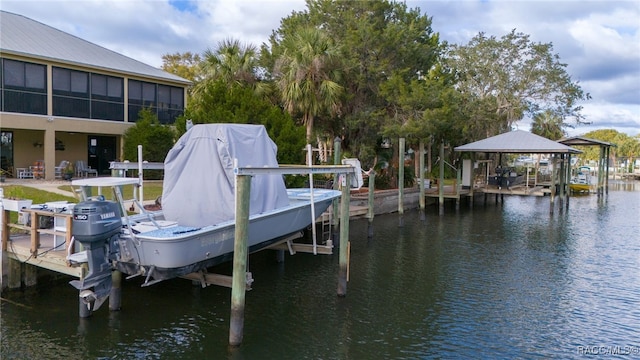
{"type": "Point", "coordinates": [35, 231]}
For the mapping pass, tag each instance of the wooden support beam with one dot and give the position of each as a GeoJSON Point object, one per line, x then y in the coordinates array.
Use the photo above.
{"type": "Point", "coordinates": [115, 295]}
{"type": "Point", "coordinates": [238, 288]}
{"type": "Point", "coordinates": [421, 177]}
{"type": "Point", "coordinates": [207, 279]}
{"type": "Point", "coordinates": [303, 248]}
{"type": "Point", "coordinates": [30, 275]}
{"type": "Point", "coordinates": [15, 274]}
{"type": "Point", "coordinates": [35, 235]}
{"type": "Point", "coordinates": [344, 237]}
{"type": "Point", "coordinates": [5, 229]}
{"type": "Point", "coordinates": [370, 211]}
{"type": "Point", "coordinates": [336, 183]}
{"type": "Point", "coordinates": [441, 181]}
{"type": "Point", "coordinates": [401, 147]}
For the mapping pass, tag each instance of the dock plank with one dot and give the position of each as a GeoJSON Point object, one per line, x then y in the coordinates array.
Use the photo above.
{"type": "Point", "coordinates": [19, 248]}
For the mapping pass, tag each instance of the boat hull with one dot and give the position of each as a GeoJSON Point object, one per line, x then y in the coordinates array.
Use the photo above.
{"type": "Point", "coordinates": [177, 250]}
{"type": "Point", "coordinates": [580, 187]}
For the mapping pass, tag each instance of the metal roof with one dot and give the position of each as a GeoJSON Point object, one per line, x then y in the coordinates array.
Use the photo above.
{"type": "Point", "coordinates": [579, 140]}
{"type": "Point", "coordinates": [518, 141]}
{"type": "Point", "coordinates": [20, 35]}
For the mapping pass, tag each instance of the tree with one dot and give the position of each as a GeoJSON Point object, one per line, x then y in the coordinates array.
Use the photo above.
{"type": "Point", "coordinates": [156, 139]}
{"type": "Point", "coordinates": [625, 147]}
{"type": "Point", "coordinates": [231, 61]}
{"type": "Point", "coordinates": [377, 41]}
{"type": "Point", "coordinates": [186, 65]}
{"type": "Point", "coordinates": [306, 75]}
{"type": "Point", "coordinates": [220, 102]}
{"type": "Point", "coordinates": [513, 77]}
{"type": "Point", "coordinates": [547, 124]}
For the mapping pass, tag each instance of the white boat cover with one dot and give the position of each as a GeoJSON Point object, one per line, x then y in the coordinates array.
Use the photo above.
{"type": "Point", "coordinates": [199, 183]}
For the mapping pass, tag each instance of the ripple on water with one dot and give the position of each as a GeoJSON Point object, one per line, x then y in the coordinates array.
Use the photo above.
{"type": "Point", "coordinates": [501, 281]}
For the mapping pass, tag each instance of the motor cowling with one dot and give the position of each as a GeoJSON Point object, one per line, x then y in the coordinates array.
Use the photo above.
{"type": "Point", "coordinates": [96, 220]}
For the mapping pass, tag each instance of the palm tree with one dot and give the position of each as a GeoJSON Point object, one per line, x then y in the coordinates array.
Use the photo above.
{"type": "Point", "coordinates": [232, 62]}
{"type": "Point", "coordinates": [549, 125]}
{"type": "Point", "coordinates": [307, 76]}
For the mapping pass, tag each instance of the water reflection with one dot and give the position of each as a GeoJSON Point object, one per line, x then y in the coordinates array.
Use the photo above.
{"type": "Point", "coordinates": [505, 280]}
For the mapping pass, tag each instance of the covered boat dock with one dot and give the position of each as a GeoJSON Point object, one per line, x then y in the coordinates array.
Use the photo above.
{"type": "Point", "coordinates": [603, 160]}
{"type": "Point", "coordinates": [521, 142]}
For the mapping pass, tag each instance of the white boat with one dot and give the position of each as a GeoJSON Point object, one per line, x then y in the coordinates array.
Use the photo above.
{"type": "Point", "coordinates": [581, 181]}
{"type": "Point", "coordinates": [196, 227]}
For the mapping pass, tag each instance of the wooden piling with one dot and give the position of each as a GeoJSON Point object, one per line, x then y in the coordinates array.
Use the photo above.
{"type": "Point", "coordinates": [421, 177]}
{"type": "Point", "coordinates": [236, 324]}
{"type": "Point", "coordinates": [568, 180]}
{"type": "Point", "coordinates": [6, 231]}
{"type": "Point", "coordinates": [15, 274]}
{"type": "Point", "coordinates": [441, 180]}
{"type": "Point", "coordinates": [458, 186]}
{"type": "Point", "coordinates": [115, 296]}
{"type": "Point", "coordinates": [371, 211]}
{"type": "Point", "coordinates": [607, 154]}
{"type": "Point", "coordinates": [30, 276]}
{"type": "Point", "coordinates": [401, 147]}
{"type": "Point", "coordinates": [561, 180]}
{"type": "Point", "coordinates": [336, 184]}
{"type": "Point", "coordinates": [344, 237]}
{"type": "Point", "coordinates": [553, 185]}
{"type": "Point", "coordinates": [4, 270]}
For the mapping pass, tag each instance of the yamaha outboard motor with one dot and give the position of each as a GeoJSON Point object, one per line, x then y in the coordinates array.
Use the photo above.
{"type": "Point", "coordinates": [97, 225]}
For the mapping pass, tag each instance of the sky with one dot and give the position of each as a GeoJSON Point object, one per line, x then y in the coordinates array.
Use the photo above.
{"type": "Point", "coordinates": [599, 40]}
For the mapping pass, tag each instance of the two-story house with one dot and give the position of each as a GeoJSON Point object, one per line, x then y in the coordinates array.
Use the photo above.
{"type": "Point", "coordinates": [64, 98]}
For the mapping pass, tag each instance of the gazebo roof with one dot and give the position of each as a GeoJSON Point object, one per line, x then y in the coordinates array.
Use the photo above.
{"type": "Point", "coordinates": [579, 140]}
{"type": "Point", "coordinates": [518, 141]}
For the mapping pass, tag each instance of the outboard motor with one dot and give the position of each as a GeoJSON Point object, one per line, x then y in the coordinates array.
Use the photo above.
{"type": "Point", "coordinates": [97, 225]}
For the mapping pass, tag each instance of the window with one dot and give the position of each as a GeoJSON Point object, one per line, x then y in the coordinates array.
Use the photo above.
{"type": "Point", "coordinates": [72, 97]}
{"type": "Point", "coordinates": [24, 87]}
{"type": "Point", "coordinates": [170, 103]}
{"type": "Point", "coordinates": [107, 99]}
{"type": "Point", "coordinates": [70, 93]}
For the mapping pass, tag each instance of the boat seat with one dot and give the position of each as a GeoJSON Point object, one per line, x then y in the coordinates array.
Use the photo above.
{"type": "Point", "coordinates": [169, 232]}
{"type": "Point", "coordinates": [146, 226]}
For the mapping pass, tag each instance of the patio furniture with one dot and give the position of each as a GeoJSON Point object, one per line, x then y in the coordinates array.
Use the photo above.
{"type": "Point", "coordinates": [82, 170]}
{"type": "Point", "coordinates": [60, 168]}
{"type": "Point", "coordinates": [38, 169]}
{"type": "Point", "coordinates": [24, 173]}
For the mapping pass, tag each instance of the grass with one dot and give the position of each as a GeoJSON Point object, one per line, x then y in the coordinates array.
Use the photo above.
{"type": "Point", "coordinates": [38, 196]}
{"type": "Point", "coordinates": [151, 192]}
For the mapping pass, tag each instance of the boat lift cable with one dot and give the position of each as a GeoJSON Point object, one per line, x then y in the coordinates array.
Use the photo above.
{"type": "Point", "coordinates": [313, 208]}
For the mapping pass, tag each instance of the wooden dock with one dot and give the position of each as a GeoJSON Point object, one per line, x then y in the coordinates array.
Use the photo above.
{"type": "Point", "coordinates": [449, 192]}
{"type": "Point", "coordinates": [45, 248]}
{"type": "Point", "coordinates": [521, 190]}
{"type": "Point", "coordinates": [47, 257]}
{"type": "Point", "coordinates": [38, 247]}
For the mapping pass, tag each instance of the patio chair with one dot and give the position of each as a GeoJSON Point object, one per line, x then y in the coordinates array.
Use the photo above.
{"type": "Point", "coordinates": [83, 170]}
{"type": "Point", "coordinates": [25, 173]}
{"type": "Point", "coordinates": [60, 168]}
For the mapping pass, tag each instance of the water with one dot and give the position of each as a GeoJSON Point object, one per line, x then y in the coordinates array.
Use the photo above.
{"type": "Point", "coordinates": [502, 281]}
